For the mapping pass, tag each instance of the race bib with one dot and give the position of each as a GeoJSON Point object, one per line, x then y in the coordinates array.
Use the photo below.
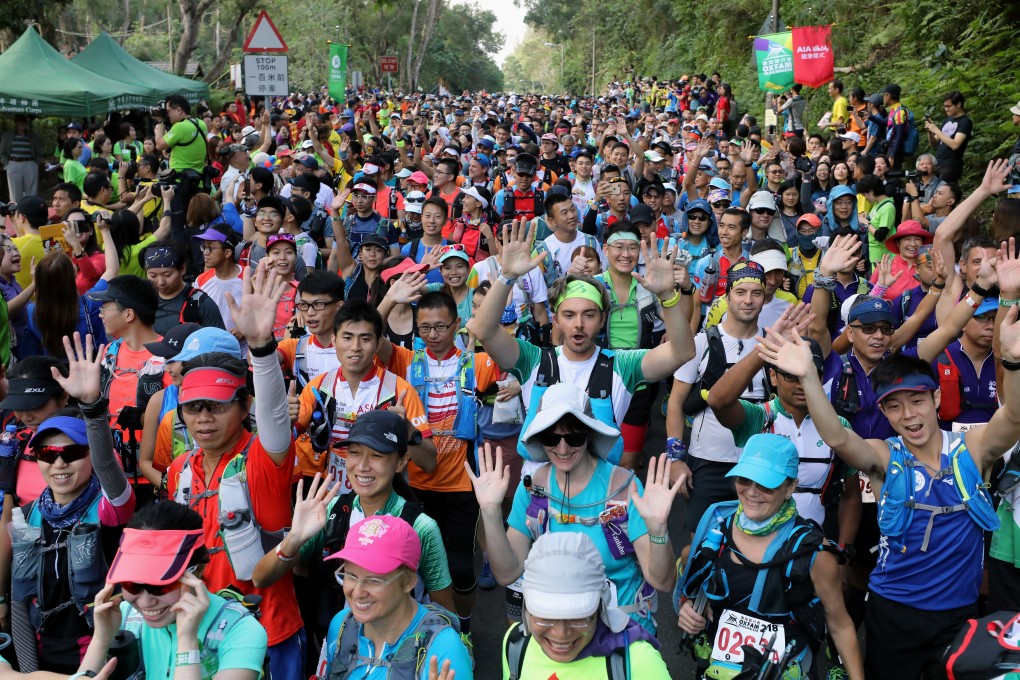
{"type": "Point", "coordinates": [337, 466]}
{"type": "Point", "coordinates": [737, 629]}
{"type": "Point", "coordinates": [867, 495]}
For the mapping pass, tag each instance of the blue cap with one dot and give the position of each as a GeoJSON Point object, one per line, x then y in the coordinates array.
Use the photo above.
{"type": "Point", "coordinates": [987, 305]}
{"type": "Point", "coordinates": [871, 310]}
{"type": "Point", "coordinates": [916, 382]}
{"type": "Point", "coordinates": [69, 426]}
{"type": "Point", "coordinates": [768, 459]}
{"type": "Point", "coordinates": [719, 183]}
{"type": "Point", "coordinates": [483, 160]}
{"type": "Point", "coordinates": [487, 143]}
{"type": "Point", "coordinates": [209, 340]}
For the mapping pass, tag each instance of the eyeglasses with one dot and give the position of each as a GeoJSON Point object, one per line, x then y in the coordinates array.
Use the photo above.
{"type": "Point", "coordinates": [318, 305]}
{"type": "Point", "coordinates": [207, 248]}
{"type": "Point", "coordinates": [789, 377]}
{"type": "Point", "coordinates": [154, 590]}
{"type": "Point", "coordinates": [871, 329]}
{"type": "Point", "coordinates": [628, 247]}
{"type": "Point", "coordinates": [267, 213]}
{"type": "Point", "coordinates": [104, 310]}
{"type": "Point", "coordinates": [763, 211]}
{"type": "Point", "coordinates": [574, 439]}
{"type": "Point", "coordinates": [372, 584]}
{"type": "Point", "coordinates": [217, 408]}
{"type": "Point", "coordinates": [425, 329]}
{"type": "Point", "coordinates": [69, 452]}
{"type": "Point", "coordinates": [573, 624]}
{"type": "Point", "coordinates": [697, 217]}
{"type": "Point", "coordinates": [745, 482]}
{"type": "Point", "coordinates": [775, 172]}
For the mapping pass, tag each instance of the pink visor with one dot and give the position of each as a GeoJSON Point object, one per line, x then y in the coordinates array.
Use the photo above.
{"type": "Point", "coordinates": [154, 557]}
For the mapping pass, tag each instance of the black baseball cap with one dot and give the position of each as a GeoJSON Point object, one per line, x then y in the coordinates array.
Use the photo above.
{"type": "Point", "coordinates": [130, 292]}
{"type": "Point", "coordinates": [28, 394]}
{"type": "Point", "coordinates": [641, 214]}
{"type": "Point", "coordinates": [382, 431]}
{"type": "Point", "coordinates": [308, 182]}
{"type": "Point", "coordinates": [526, 164]}
{"type": "Point", "coordinates": [171, 344]}
{"type": "Point", "coordinates": [35, 211]}
{"type": "Point", "coordinates": [375, 240]}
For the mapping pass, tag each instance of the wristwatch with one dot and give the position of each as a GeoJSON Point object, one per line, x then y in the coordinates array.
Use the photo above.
{"type": "Point", "coordinates": [83, 674]}
{"type": "Point", "coordinates": [414, 438]}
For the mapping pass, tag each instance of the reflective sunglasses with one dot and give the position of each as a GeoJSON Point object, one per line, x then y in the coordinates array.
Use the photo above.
{"type": "Point", "coordinates": [69, 452]}
{"type": "Point", "coordinates": [573, 439]}
{"type": "Point", "coordinates": [744, 481]}
{"type": "Point", "coordinates": [217, 408]}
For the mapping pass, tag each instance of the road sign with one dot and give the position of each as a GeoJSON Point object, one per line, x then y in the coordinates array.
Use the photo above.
{"type": "Point", "coordinates": [388, 64]}
{"type": "Point", "coordinates": [265, 75]}
{"type": "Point", "coordinates": [264, 37]}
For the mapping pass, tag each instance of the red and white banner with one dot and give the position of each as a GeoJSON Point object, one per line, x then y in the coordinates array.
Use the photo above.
{"type": "Point", "coordinates": [813, 62]}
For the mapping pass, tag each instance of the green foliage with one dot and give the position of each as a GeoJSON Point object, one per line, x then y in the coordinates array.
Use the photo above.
{"type": "Point", "coordinates": [927, 46]}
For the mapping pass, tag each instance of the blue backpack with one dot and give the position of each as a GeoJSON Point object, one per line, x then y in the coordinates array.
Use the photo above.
{"type": "Point", "coordinates": [913, 135]}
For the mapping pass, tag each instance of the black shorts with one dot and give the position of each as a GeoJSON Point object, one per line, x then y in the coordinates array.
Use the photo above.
{"type": "Point", "coordinates": [906, 642]}
{"type": "Point", "coordinates": [711, 485]}
{"type": "Point", "coordinates": [456, 513]}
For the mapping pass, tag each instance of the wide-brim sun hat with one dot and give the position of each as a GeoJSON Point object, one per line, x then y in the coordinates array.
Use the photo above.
{"type": "Point", "coordinates": [564, 399]}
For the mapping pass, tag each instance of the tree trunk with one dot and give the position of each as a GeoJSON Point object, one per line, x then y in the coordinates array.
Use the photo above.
{"type": "Point", "coordinates": [405, 73]}
{"type": "Point", "coordinates": [126, 24]}
{"type": "Point", "coordinates": [243, 9]}
{"type": "Point", "coordinates": [426, 36]}
{"type": "Point", "coordinates": [192, 12]}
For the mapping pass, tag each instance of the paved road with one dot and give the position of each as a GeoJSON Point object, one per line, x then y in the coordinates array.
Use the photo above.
{"type": "Point", "coordinates": [489, 621]}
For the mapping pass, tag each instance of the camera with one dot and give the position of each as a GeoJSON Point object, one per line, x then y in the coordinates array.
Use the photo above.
{"type": "Point", "coordinates": [1014, 173]}
{"type": "Point", "coordinates": [906, 174]}
{"type": "Point", "coordinates": [803, 164]}
{"type": "Point", "coordinates": [159, 110]}
{"type": "Point", "coordinates": [8, 209]}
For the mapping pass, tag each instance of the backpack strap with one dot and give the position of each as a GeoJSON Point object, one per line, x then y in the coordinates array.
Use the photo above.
{"type": "Point", "coordinates": [600, 381]}
{"type": "Point", "coordinates": [616, 664]}
{"type": "Point", "coordinates": [514, 649]}
{"type": "Point", "coordinates": [548, 368]}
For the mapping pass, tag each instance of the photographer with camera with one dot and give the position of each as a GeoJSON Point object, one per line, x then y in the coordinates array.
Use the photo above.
{"type": "Point", "coordinates": [946, 197]}
{"type": "Point", "coordinates": [186, 141]}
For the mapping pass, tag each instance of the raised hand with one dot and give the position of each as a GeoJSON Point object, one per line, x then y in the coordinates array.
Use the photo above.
{"type": "Point", "coordinates": [939, 264]}
{"type": "Point", "coordinates": [885, 276]}
{"type": "Point", "coordinates": [1008, 269]}
{"type": "Point", "coordinates": [106, 613]}
{"type": "Point", "coordinates": [408, 288]}
{"type": "Point", "coordinates": [83, 365]}
{"type": "Point", "coordinates": [996, 179]}
{"type": "Point", "coordinates": [71, 236]}
{"type": "Point", "coordinates": [310, 509]}
{"type": "Point", "coordinates": [659, 277]}
{"type": "Point", "coordinates": [987, 276]}
{"type": "Point", "coordinates": [842, 252]}
{"type": "Point", "coordinates": [657, 500]}
{"type": "Point", "coordinates": [791, 356]}
{"type": "Point", "coordinates": [256, 314]}
{"type": "Point", "coordinates": [794, 321]}
{"type": "Point", "coordinates": [493, 479]}
{"type": "Point", "coordinates": [516, 259]}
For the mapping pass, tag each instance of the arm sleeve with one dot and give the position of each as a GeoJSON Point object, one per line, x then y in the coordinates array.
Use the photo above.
{"type": "Point", "coordinates": [104, 460]}
{"type": "Point", "coordinates": [590, 225]}
{"type": "Point", "coordinates": [271, 409]}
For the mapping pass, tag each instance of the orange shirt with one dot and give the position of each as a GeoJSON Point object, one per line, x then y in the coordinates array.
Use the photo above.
{"type": "Point", "coordinates": [269, 486]}
{"type": "Point", "coordinates": [449, 198]}
{"type": "Point", "coordinates": [285, 309]}
{"type": "Point", "coordinates": [451, 452]}
{"type": "Point", "coordinates": [379, 390]}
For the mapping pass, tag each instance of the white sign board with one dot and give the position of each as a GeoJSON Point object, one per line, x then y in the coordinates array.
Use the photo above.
{"type": "Point", "coordinates": [265, 75]}
{"type": "Point", "coordinates": [357, 79]}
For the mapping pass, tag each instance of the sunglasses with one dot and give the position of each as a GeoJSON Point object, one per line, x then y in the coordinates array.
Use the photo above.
{"type": "Point", "coordinates": [697, 217]}
{"type": "Point", "coordinates": [455, 247]}
{"type": "Point", "coordinates": [155, 591]}
{"type": "Point", "coordinates": [217, 408]}
{"type": "Point", "coordinates": [414, 200]}
{"type": "Point", "coordinates": [745, 482]}
{"type": "Point", "coordinates": [573, 439]}
{"type": "Point", "coordinates": [721, 204]}
{"type": "Point", "coordinates": [871, 329]}
{"type": "Point", "coordinates": [69, 452]}
{"type": "Point", "coordinates": [763, 211]}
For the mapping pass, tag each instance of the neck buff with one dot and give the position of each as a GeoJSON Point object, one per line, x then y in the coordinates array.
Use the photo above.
{"type": "Point", "coordinates": [766, 527]}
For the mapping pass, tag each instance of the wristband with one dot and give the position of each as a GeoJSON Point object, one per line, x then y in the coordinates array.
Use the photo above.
{"type": "Point", "coordinates": [970, 302]}
{"type": "Point", "coordinates": [825, 282]}
{"type": "Point", "coordinates": [939, 286]}
{"type": "Point", "coordinates": [264, 350]}
{"type": "Point", "coordinates": [676, 450]}
{"type": "Point", "coordinates": [282, 556]}
{"type": "Point", "coordinates": [1006, 303]}
{"type": "Point", "coordinates": [1010, 365]}
{"type": "Point", "coordinates": [689, 291]}
{"type": "Point", "coordinates": [98, 409]}
{"type": "Point", "coordinates": [658, 540]}
{"type": "Point", "coordinates": [188, 658]}
{"type": "Point", "coordinates": [991, 291]}
{"type": "Point", "coordinates": [505, 280]}
{"type": "Point", "coordinates": [671, 301]}
{"type": "Point", "coordinates": [83, 674]}
{"type": "Point", "coordinates": [879, 290]}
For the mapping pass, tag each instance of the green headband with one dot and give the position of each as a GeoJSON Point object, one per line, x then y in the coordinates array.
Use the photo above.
{"type": "Point", "coordinates": [583, 290]}
{"type": "Point", "coordinates": [623, 236]}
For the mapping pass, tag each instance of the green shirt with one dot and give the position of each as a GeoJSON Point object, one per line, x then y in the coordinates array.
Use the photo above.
{"type": "Point", "coordinates": [883, 214]}
{"type": "Point", "coordinates": [434, 569]}
{"type": "Point", "coordinates": [75, 173]}
{"type": "Point", "coordinates": [121, 150]}
{"type": "Point", "coordinates": [186, 140]}
{"type": "Point", "coordinates": [623, 322]}
{"type": "Point", "coordinates": [5, 333]}
{"type": "Point", "coordinates": [129, 264]}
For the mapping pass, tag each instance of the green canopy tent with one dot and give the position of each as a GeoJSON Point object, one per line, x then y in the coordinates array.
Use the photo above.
{"type": "Point", "coordinates": [39, 80]}
{"type": "Point", "coordinates": [105, 57]}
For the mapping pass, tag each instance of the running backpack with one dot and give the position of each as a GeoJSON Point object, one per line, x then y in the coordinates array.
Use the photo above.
{"type": "Point", "coordinates": [516, 646]}
{"type": "Point", "coordinates": [984, 648]}
{"type": "Point", "coordinates": [718, 364]}
{"type": "Point", "coordinates": [913, 135]}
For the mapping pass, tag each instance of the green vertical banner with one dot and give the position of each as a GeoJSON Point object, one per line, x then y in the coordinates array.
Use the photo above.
{"type": "Point", "coordinates": [338, 72]}
{"type": "Point", "coordinates": [774, 56]}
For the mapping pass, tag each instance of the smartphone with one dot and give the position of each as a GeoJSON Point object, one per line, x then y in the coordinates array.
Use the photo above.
{"type": "Point", "coordinates": [247, 186]}
{"type": "Point", "coordinates": [772, 130]}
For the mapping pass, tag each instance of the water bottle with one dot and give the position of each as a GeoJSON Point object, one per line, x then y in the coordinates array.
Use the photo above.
{"type": "Point", "coordinates": [10, 447]}
{"type": "Point", "coordinates": [708, 282]}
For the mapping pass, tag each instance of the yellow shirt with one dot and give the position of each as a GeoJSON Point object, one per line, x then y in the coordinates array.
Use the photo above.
{"type": "Point", "coordinates": [840, 110]}
{"type": "Point", "coordinates": [30, 246]}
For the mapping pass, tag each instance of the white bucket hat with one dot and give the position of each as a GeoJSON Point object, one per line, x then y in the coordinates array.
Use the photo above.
{"type": "Point", "coordinates": [565, 399]}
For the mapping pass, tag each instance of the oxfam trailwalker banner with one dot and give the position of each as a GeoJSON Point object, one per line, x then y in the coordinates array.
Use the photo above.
{"type": "Point", "coordinates": [774, 56]}
{"type": "Point", "coordinates": [337, 72]}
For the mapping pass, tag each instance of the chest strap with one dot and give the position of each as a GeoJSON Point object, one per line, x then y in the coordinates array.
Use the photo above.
{"type": "Point", "coordinates": [934, 510]}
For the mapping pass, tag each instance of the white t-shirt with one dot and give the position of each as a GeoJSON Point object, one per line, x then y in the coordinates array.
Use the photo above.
{"type": "Point", "coordinates": [217, 289]}
{"type": "Point", "coordinates": [323, 199]}
{"type": "Point", "coordinates": [561, 251]}
{"type": "Point", "coordinates": [709, 439]}
{"type": "Point", "coordinates": [529, 289]}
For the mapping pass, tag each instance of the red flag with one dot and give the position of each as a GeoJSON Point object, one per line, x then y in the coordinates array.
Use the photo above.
{"type": "Point", "coordinates": [813, 63]}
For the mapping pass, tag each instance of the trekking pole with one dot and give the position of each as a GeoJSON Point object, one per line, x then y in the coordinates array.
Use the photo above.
{"type": "Point", "coordinates": [700, 604]}
{"type": "Point", "coordinates": [766, 664]}
{"type": "Point", "coordinates": [780, 668]}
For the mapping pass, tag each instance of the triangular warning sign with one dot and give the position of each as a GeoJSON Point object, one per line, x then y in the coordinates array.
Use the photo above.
{"type": "Point", "coordinates": [264, 37]}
